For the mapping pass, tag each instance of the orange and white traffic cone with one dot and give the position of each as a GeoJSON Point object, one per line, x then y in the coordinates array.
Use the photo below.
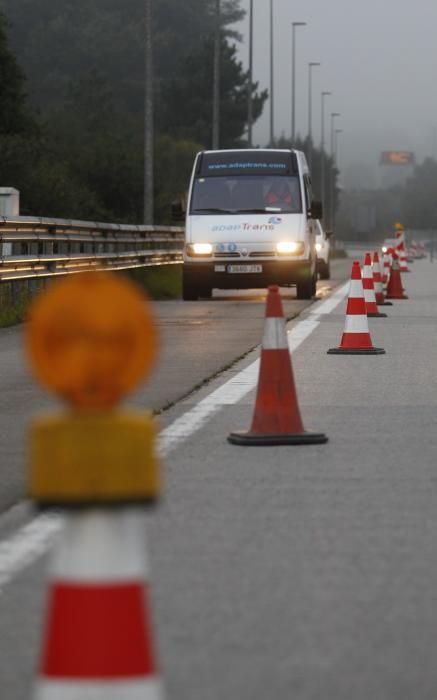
{"type": "Point", "coordinates": [98, 641]}
{"type": "Point", "coordinates": [394, 287]}
{"type": "Point", "coordinates": [369, 291]}
{"type": "Point", "coordinates": [356, 338]}
{"type": "Point", "coordinates": [276, 418]}
{"type": "Point", "coordinates": [377, 282]}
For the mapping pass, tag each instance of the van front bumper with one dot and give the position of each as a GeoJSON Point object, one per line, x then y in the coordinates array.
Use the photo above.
{"type": "Point", "coordinates": [220, 273]}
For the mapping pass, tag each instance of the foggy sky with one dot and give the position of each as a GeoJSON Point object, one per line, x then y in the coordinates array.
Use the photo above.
{"type": "Point", "coordinates": [379, 59]}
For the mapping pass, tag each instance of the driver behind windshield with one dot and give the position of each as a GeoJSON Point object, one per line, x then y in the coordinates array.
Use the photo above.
{"type": "Point", "coordinates": [279, 194]}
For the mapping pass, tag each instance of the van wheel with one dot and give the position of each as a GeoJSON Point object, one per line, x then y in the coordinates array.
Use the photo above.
{"type": "Point", "coordinates": [206, 292]}
{"type": "Point", "coordinates": [190, 290]}
{"type": "Point", "coordinates": [325, 270]}
{"type": "Point", "coordinates": [305, 290]}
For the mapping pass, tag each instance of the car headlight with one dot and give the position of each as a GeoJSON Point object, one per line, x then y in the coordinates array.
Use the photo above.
{"type": "Point", "coordinates": [384, 249]}
{"type": "Point", "coordinates": [199, 249]}
{"type": "Point", "coordinates": [318, 247]}
{"type": "Point", "coordinates": [290, 247]}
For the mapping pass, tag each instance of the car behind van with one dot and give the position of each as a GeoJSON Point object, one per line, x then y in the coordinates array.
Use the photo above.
{"type": "Point", "coordinates": [250, 222]}
{"type": "Point", "coordinates": [323, 249]}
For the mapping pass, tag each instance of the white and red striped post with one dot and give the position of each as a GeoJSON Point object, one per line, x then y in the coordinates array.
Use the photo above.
{"type": "Point", "coordinates": [401, 251]}
{"type": "Point", "coordinates": [356, 338]}
{"type": "Point", "coordinates": [98, 641]}
{"type": "Point", "coordinates": [377, 280]}
{"type": "Point", "coordinates": [386, 268]}
{"type": "Point", "coordinates": [369, 290]}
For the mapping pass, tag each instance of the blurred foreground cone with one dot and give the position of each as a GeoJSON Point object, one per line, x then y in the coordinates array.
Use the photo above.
{"type": "Point", "coordinates": [394, 287]}
{"type": "Point", "coordinates": [99, 466]}
{"type": "Point", "coordinates": [356, 338]}
{"type": "Point", "coordinates": [369, 291]}
{"type": "Point", "coordinates": [276, 419]}
{"type": "Point", "coordinates": [377, 282]}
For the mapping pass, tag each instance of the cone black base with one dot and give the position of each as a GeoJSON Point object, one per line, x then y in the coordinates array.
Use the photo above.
{"type": "Point", "coordinates": [356, 351]}
{"type": "Point", "coordinates": [271, 439]}
{"type": "Point", "coordinates": [378, 315]}
{"type": "Point", "coordinates": [386, 303]}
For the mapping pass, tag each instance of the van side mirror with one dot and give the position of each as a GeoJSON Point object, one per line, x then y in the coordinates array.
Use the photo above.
{"type": "Point", "coordinates": [316, 209]}
{"type": "Point", "coordinates": [328, 234]}
{"type": "Point", "coordinates": [177, 210]}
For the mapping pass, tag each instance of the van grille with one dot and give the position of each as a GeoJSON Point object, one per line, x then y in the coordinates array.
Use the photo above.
{"type": "Point", "coordinates": [226, 255]}
{"type": "Point", "coordinates": [263, 254]}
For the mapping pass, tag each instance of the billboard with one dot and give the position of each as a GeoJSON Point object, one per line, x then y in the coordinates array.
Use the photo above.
{"type": "Point", "coordinates": [397, 158]}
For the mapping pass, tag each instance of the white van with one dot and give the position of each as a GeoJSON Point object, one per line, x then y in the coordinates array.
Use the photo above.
{"type": "Point", "coordinates": [250, 222]}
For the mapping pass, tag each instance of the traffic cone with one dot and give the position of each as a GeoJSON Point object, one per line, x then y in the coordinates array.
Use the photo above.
{"type": "Point", "coordinates": [369, 291]}
{"type": "Point", "coordinates": [98, 640]}
{"type": "Point", "coordinates": [401, 251]}
{"type": "Point", "coordinates": [386, 268]}
{"type": "Point", "coordinates": [356, 338]}
{"type": "Point", "coordinates": [377, 282]}
{"type": "Point", "coordinates": [414, 250]}
{"type": "Point", "coordinates": [276, 418]}
{"type": "Point", "coordinates": [394, 287]}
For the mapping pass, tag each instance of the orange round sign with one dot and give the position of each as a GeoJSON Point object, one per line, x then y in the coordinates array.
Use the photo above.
{"type": "Point", "coordinates": [91, 339]}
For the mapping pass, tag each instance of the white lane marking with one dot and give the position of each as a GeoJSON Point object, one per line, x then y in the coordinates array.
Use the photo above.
{"type": "Point", "coordinates": [115, 689]}
{"type": "Point", "coordinates": [321, 308]}
{"type": "Point", "coordinates": [34, 539]}
{"type": "Point", "coordinates": [25, 546]}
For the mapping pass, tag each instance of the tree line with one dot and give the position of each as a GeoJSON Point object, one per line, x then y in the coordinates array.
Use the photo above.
{"type": "Point", "coordinates": [72, 100]}
{"type": "Point", "coordinates": [72, 97]}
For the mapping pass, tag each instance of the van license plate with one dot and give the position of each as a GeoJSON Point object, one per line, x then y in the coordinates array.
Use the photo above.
{"type": "Point", "coordinates": [245, 268]}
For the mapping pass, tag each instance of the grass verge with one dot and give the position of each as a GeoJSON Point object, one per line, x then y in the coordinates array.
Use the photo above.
{"type": "Point", "coordinates": [11, 314]}
{"type": "Point", "coordinates": [160, 282]}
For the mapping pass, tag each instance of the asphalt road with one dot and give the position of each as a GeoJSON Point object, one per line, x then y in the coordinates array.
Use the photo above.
{"type": "Point", "coordinates": [294, 572]}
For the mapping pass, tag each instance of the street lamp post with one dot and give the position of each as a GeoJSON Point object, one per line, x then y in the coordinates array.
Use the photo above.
{"type": "Point", "coordinates": [334, 116]}
{"type": "Point", "coordinates": [324, 94]}
{"type": "Point", "coordinates": [249, 91]}
{"type": "Point", "coordinates": [293, 78]}
{"type": "Point", "coordinates": [148, 214]}
{"type": "Point", "coordinates": [272, 135]}
{"type": "Point", "coordinates": [336, 132]}
{"type": "Point", "coordinates": [311, 65]}
{"type": "Point", "coordinates": [216, 81]}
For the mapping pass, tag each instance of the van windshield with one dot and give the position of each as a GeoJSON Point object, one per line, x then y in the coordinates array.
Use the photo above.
{"type": "Point", "coordinates": [246, 194]}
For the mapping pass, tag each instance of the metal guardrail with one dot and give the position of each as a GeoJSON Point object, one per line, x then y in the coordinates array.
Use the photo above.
{"type": "Point", "coordinates": [41, 247]}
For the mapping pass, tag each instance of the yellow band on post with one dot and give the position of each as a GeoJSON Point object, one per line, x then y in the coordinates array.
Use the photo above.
{"type": "Point", "coordinates": [86, 458]}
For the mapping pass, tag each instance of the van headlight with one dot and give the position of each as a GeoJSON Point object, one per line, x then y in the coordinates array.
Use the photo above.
{"type": "Point", "coordinates": [318, 247]}
{"type": "Point", "coordinates": [290, 247]}
{"type": "Point", "coordinates": [384, 249]}
{"type": "Point", "coordinates": [199, 249]}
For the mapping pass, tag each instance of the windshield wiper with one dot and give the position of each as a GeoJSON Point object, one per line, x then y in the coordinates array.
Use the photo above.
{"type": "Point", "coordinates": [254, 211]}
